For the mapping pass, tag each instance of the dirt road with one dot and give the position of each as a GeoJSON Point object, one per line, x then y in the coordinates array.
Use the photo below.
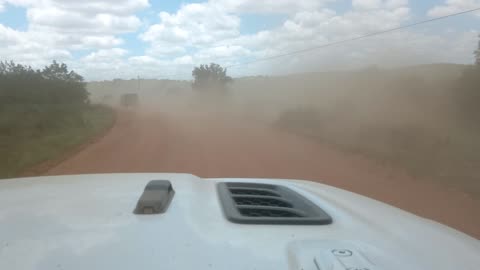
{"type": "Point", "coordinates": [205, 144]}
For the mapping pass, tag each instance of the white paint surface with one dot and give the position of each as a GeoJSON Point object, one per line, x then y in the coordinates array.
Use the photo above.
{"type": "Point", "coordinates": [86, 222]}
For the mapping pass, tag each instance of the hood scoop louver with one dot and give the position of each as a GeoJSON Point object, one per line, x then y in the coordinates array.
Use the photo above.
{"type": "Point", "coordinates": [256, 203]}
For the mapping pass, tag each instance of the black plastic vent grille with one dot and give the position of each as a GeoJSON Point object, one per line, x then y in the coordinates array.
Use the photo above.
{"type": "Point", "coordinates": [250, 212]}
{"type": "Point", "coordinates": [259, 200]}
{"type": "Point", "coordinates": [268, 204]}
{"type": "Point", "coordinates": [252, 191]}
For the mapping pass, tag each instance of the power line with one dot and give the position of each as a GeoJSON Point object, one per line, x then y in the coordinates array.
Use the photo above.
{"type": "Point", "coordinates": [352, 39]}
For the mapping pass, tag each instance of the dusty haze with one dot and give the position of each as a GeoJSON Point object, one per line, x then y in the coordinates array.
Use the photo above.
{"type": "Point", "coordinates": [399, 117]}
{"type": "Point", "coordinates": [395, 135]}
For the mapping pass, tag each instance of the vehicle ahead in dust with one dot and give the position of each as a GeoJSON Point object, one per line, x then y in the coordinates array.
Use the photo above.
{"type": "Point", "coordinates": [128, 221]}
{"type": "Point", "coordinates": [129, 100]}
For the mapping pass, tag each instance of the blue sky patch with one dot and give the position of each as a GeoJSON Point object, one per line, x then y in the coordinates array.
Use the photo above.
{"type": "Point", "coordinates": [14, 17]}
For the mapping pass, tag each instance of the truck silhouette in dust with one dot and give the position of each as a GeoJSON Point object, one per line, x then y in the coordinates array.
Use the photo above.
{"type": "Point", "coordinates": [129, 100]}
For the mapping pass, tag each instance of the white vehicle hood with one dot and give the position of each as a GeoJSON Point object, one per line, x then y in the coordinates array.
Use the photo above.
{"type": "Point", "coordinates": [87, 222]}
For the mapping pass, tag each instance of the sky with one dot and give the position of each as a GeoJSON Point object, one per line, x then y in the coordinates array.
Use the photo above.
{"type": "Point", "coordinates": [106, 39]}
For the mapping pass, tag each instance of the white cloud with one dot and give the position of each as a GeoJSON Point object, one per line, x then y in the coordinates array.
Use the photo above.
{"type": "Point", "coordinates": [395, 3]}
{"type": "Point", "coordinates": [183, 60]}
{"type": "Point", "coordinates": [192, 25]}
{"type": "Point", "coordinates": [104, 63]}
{"type": "Point", "coordinates": [212, 28]}
{"type": "Point", "coordinates": [224, 51]}
{"type": "Point", "coordinates": [58, 27]}
{"type": "Point", "coordinates": [28, 48]}
{"type": "Point", "coordinates": [143, 60]}
{"type": "Point", "coordinates": [453, 6]}
{"type": "Point", "coordinates": [121, 8]}
{"type": "Point", "coordinates": [71, 22]}
{"type": "Point", "coordinates": [9, 36]}
{"type": "Point", "coordinates": [162, 49]}
{"type": "Point", "coordinates": [101, 41]}
{"type": "Point", "coordinates": [269, 6]}
{"type": "Point", "coordinates": [195, 28]}
{"type": "Point", "coordinates": [105, 55]}
{"type": "Point", "coordinates": [376, 4]}
{"type": "Point", "coordinates": [211, 32]}
{"type": "Point", "coordinates": [397, 49]}
{"type": "Point", "coordinates": [366, 4]}
{"type": "Point", "coordinates": [110, 64]}
{"type": "Point", "coordinates": [313, 28]}
{"type": "Point", "coordinates": [20, 3]}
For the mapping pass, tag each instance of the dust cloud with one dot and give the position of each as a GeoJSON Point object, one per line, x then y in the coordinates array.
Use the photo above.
{"type": "Point", "coordinates": [403, 117]}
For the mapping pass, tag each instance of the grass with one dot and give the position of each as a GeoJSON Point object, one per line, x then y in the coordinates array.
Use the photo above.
{"type": "Point", "coordinates": [451, 158]}
{"type": "Point", "coordinates": [32, 134]}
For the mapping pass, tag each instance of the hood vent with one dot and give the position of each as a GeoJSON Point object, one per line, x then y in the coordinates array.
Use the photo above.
{"type": "Point", "coordinates": [256, 203]}
{"type": "Point", "coordinates": [253, 191]}
{"type": "Point", "coordinates": [242, 200]}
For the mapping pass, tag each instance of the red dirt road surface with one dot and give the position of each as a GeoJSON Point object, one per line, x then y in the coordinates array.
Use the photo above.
{"type": "Point", "coordinates": [207, 145]}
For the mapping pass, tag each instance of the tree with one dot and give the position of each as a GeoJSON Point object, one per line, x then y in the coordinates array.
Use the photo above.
{"type": "Point", "coordinates": [66, 86]}
{"type": "Point", "coordinates": [56, 71]}
{"type": "Point", "coordinates": [467, 92]}
{"type": "Point", "coordinates": [55, 84]}
{"type": "Point", "coordinates": [210, 77]}
{"type": "Point", "coordinates": [12, 69]}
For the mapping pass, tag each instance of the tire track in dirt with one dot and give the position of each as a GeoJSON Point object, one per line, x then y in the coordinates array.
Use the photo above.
{"type": "Point", "coordinates": [210, 144]}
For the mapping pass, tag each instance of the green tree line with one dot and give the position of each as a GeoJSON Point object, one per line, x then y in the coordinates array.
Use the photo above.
{"type": "Point", "coordinates": [43, 113]}
{"type": "Point", "coordinates": [54, 84]}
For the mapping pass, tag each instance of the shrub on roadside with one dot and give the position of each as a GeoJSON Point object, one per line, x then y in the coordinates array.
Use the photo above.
{"type": "Point", "coordinates": [43, 113]}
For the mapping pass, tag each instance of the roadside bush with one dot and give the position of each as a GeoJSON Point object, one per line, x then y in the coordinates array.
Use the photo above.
{"type": "Point", "coordinates": [467, 95]}
{"type": "Point", "coordinates": [55, 84]}
{"type": "Point", "coordinates": [450, 157]}
{"type": "Point", "coordinates": [43, 113]}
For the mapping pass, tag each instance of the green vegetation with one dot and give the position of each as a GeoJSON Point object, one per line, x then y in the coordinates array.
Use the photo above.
{"type": "Point", "coordinates": [212, 78]}
{"type": "Point", "coordinates": [43, 114]}
{"type": "Point", "coordinates": [446, 155]}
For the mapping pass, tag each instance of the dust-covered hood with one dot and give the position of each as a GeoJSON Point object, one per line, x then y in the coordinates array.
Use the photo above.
{"type": "Point", "coordinates": [87, 222]}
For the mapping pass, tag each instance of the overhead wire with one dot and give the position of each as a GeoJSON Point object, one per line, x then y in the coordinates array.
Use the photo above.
{"type": "Point", "coordinates": [365, 36]}
{"type": "Point", "coordinates": [353, 39]}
